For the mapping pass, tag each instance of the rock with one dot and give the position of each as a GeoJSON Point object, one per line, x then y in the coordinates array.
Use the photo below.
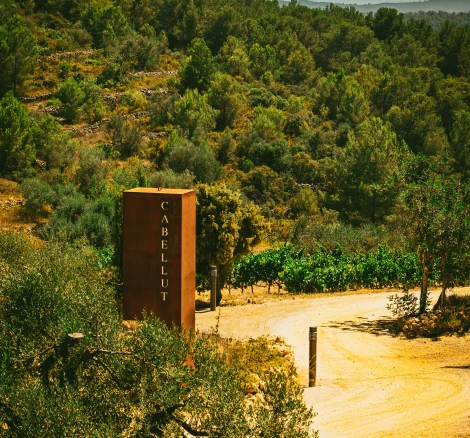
{"type": "Point", "coordinates": [253, 381]}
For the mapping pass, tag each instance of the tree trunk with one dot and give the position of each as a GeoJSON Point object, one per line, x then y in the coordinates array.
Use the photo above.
{"type": "Point", "coordinates": [441, 301]}
{"type": "Point", "coordinates": [423, 299]}
{"type": "Point", "coordinates": [442, 297]}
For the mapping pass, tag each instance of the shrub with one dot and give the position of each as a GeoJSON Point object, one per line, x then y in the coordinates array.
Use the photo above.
{"type": "Point", "coordinates": [78, 218]}
{"type": "Point", "coordinates": [17, 149]}
{"type": "Point", "coordinates": [126, 139]}
{"type": "Point", "coordinates": [109, 380]}
{"type": "Point", "coordinates": [169, 179]}
{"type": "Point", "coordinates": [91, 172]}
{"type": "Point", "coordinates": [72, 97]}
{"type": "Point", "coordinates": [452, 319]}
{"type": "Point", "coordinates": [181, 155]}
{"type": "Point", "coordinates": [327, 270]}
{"type": "Point", "coordinates": [403, 306]}
{"type": "Point", "coordinates": [133, 100]}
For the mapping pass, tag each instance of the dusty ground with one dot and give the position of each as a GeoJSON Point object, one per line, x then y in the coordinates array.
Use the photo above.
{"type": "Point", "coordinates": [369, 384]}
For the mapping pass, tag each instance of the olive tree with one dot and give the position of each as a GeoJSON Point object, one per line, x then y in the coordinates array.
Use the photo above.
{"type": "Point", "coordinates": [69, 367]}
{"type": "Point", "coordinates": [437, 223]}
{"type": "Point", "coordinates": [226, 227]}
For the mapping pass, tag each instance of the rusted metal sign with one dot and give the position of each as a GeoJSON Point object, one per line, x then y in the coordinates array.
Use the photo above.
{"type": "Point", "coordinates": [159, 254]}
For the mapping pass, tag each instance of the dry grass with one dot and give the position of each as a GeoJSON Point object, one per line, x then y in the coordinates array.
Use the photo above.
{"type": "Point", "coordinates": [153, 82]}
{"type": "Point", "coordinates": [260, 295]}
{"type": "Point", "coordinates": [10, 217]}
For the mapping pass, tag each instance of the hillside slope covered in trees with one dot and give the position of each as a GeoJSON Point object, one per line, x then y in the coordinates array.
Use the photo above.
{"type": "Point", "coordinates": [344, 134]}
{"type": "Point", "coordinates": [400, 6]}
{"type": "Point", "coordinates": [303, 125]}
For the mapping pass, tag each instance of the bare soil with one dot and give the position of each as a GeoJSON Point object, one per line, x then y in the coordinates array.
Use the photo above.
{"type": "Point", "coordinates": [369, 383]}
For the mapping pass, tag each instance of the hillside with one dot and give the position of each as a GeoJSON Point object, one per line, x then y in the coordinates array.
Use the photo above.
{"type": "Point", "coordinates": [329, 151]}
{"type": "Point", "coordinates": [323, 127]}
{"type": "Point", "coordinates": [403, 7]}
{"type": "Point", "coordinates": [438, 19]}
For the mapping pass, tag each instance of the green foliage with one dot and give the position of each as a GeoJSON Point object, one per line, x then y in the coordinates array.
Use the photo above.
{"type": "Point", "coordinates": [143, 51]}
{"type": "Point", "coordinates": [305, 202]}
{"type": "Point", "coordinates": [436, 221]}
{"type": "Point", "coordinates": [313, 113]}
{"type": "Point", "coordinates": [106, 24]}
{"type": "Point", "coordinates": [91, 172]}
{"type": "Point", "coordinates": [17, 150]}
{"type": "Point", "coordinates": [72, 97]}
{"type": "Point", "coordinates": [181, 155]}
{"type": "Point", "coordinates": [126, 139]}
{"type": "Point", "coordinates": [52, 145]}
{"type": "Point", "coordinates": [370, 161]}
{"type": "Point", "coordinates": [226, 228]}
{"type": "Point", "coordinates": [40, 197]}
{"type": "Point", "coordinates": [437, 19]}
{"type": "Point", "coordinates": [93, 108]}
{"type": "Point", "coordinates": [460, 139]}
{"type": "Point", "coordinates": [265, 266]}
{"type": "Point", "coordinates": [327, 271]}
{"type": "Point", "coordinates": [403, 306]}
{"type": "Point", "coordinates": [234, 57]}
{"type": "Point", "coordinates": [169, 179]}
{"type": "Point", "coordinates": [225, 96]}
{"type": "Point", "coordinates": [388, 23]}
{"type": "Point", "coordinates": [453, 319]}
{"type": "Point", "coordinates": [136, 174]}
{"type": "Point", "coordinates": [266, 187]}
{"type": "Point", "coordinates": [114, 380]}
{"type": "Point", "coordinates": [282, 411]}
{"type": "Point", "coordinates": [309, 232]}
{"type": "Point", "coordinates": [17, 55]}
{"type": "Point", "coordinates": [193, 115]}
{"type": "Point", "coordinates": [199, 68]}
{"type": "Point", "coordinates": [453, 48]}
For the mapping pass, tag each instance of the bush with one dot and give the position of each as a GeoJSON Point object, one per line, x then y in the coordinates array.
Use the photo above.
{"type": "Point", "coordinates": [72, 97]}
{"type": "Point", "coordinates": [126, 139]}
{"type": "Point", "coordinates": [452, 319]}
{"type": "Point", "coordinates": [169, 179]}
{"type": "Point", "coordinates": [91, 172]}
{"type": "Point", "coordinates": [70, 368]}
{"type": "Point", "coordinates": [327, 270]}
{"type": "Point", "coordinates": [181, 155]}
{"type": "Point", "coordinates": [403, 306]}
{"type": "Point", "coordinates": [78, 218]}
{"type": "Point", "coordinates": [38, 196]}
{"type": "Point", "coordinates": [17, 149]}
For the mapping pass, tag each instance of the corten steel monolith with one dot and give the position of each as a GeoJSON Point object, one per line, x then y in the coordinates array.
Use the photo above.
{"type": "Point", "coordinates": [159, 254]}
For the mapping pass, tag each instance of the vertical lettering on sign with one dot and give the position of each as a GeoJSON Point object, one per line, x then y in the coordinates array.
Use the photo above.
{"type": "Point", "coordinates": [165, 235]}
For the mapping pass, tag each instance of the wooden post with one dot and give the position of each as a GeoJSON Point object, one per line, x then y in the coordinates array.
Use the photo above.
{"type": "Point", "coordinates": [213, 288]}
{"type": "Point", "coordinates": [312, 357]}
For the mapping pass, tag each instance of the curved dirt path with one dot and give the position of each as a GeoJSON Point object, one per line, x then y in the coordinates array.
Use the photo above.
{"type": "Point", "coordinates": [369, 384]}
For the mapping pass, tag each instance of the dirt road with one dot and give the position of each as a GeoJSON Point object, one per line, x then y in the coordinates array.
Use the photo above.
{"type": "Point", "coordinates": [369, 384]}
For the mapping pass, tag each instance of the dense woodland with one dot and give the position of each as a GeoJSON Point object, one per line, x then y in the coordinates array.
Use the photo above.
{"type": "Point", "coordinates": [295, 124]}
{"type": "Point", "coordinates": [404, 6]}
{"type": "Point", "coordinates": [338, 141]}
{"type": "Point", "coordinates": [437, 19]}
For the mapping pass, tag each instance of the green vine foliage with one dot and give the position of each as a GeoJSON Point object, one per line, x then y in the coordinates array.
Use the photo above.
{"type": "Point", "coordinates": [328, 271]}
